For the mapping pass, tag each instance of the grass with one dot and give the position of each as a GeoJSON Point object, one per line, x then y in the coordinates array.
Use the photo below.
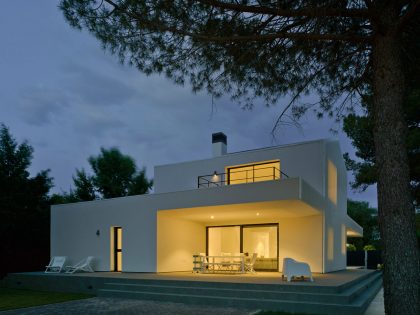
{"type": "Point", "coordinates": [17, 298]}
{"type": "Point", "coordinates": [278, 313]}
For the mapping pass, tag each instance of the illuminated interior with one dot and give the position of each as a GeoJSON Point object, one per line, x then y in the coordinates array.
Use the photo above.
{"type": "Point", "coordinates": [330, 249]}
{"type": "Point", "coordinates": [259, 239]}
{"type": "Point", "coordinates": [250, 173]}
{"type": "Point", "coordinates": [332, 182]}
{"type": "Point", "coordinates": [343, 239]}
{"type": "Point", "coordinates": [290, 227]}
{"type": "Point", "coordinates": [119, 249]}
{"type": "Point", "coordinates": [116, 248]}
{"type": "Point", "coordinates": [223, 240]}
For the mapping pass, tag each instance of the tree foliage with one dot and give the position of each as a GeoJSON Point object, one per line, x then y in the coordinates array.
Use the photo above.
{"type": "Point", "coordinates": [367, 218]}
{"type": "Point", "coordinates": [84, 187]}
{"type": "Point", "coordinates": [24, 201]}
{"type": "Point", "coordinates": [114, 175]}
{"type": "Point", "coordinates": [360, 129]}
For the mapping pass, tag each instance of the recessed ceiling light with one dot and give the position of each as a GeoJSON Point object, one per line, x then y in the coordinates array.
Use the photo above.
{"type": "Point", "coordinates": [212, 217]}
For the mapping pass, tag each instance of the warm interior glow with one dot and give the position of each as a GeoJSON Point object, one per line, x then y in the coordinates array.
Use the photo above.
{"type": "Point", "coordinates": [251, 173]}
{"type": "Point", "coordinates": [223, 240]}
{"type": "Point", "coordinates": [116, 245]}
{"type": "Point", "coordinates": [343, 239]}
{"type": "Point", "coordinates": [260, 240]}
{"type": "Point", "coordinates": [230, 213]}
{"type": "Point", "coordinates": [119, 245]}
{"type": "Point", "coordinates": [332, 182]}
{"type": "Point", "coordinates": [119, 261]}
{"type": "Point", "coordinates": [330, 250]}
{"type": "Point", "coordinates": [111, 249]}
{"type": "Point", "coordinates": [181, 233]}
{"type": "Point", "coordinates": [258, 213]}
{"type": "Point", "coordinates": [351, 233]}
{"type": "Point", "coordinates": [177, 241]}
{"type": "Point", "coordinates": [212, 217]}
{"type": "Point", "coordinates": [215, 178]}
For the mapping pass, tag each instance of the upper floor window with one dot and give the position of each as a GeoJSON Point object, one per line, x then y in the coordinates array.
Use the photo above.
{"type": "Point", "coordinates": [251, 173]}
{"type": "Point", "coordinates": [332, 182]}
{"type": "Point", "coordinates": [241, 174]}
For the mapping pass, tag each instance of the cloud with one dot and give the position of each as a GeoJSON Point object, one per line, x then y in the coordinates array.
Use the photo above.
{"type": "Point", "coordinates": [39, 105]}
{"type": "Point", "coordinates": [96, 87]}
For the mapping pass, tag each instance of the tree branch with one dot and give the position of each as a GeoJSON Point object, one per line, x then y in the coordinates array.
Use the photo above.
{"type": "Point", "coordinates": [302, 89]}
{"type": "Point", "coordinates": [307, 12]}
{"type": "Point", "coordinates": [161, 27]}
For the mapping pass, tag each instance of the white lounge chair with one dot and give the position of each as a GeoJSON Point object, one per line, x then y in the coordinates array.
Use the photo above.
{"type": "Point", "coordinates": [249, 266]}
{"type": "Point", "coordinates": [83, 265]}
{"type": "Point", "coordinates": [293, 268]}
{"type": "Point", "coordinates": [56, 264]}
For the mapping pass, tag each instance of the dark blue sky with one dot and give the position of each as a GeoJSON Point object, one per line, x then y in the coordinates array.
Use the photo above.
{"type": "Point", "coordinates": [65, 95]}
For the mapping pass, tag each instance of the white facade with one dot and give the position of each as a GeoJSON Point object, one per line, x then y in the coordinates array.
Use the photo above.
{"type": "Point", "coordinates": [161, 231]}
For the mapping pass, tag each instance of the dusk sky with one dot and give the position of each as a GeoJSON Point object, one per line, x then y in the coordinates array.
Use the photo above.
{"type": "Point", "coordinates": [67, 97]}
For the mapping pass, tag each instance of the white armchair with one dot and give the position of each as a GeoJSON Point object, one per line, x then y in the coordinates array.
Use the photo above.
{"type": "Point", "coordinates": [293, 268]}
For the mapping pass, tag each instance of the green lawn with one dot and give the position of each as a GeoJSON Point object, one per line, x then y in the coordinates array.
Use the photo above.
{"type": "Point", "coordinates": [16, 298]}
{"type": "Point", "coordinates": [278, 313]}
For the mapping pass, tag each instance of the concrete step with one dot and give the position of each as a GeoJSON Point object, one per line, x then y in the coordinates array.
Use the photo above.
{"type": "Point", "coordinates": [339, 298]}
{"type": "Point", "coordinates": [364, 299]}
{"type": "Point", "coordinates": [353, 301]}
{"type": "Point", "coordinates": [310, 287]}
{"type": "Point", "coordinates": [251, 303]}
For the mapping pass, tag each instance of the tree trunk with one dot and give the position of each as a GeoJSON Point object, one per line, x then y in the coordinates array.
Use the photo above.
{"type": "Point", "coordinates": [395, 205]}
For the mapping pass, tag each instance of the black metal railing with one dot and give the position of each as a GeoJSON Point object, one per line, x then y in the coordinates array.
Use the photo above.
{"type": "Point", "coordinates": [241, 177]}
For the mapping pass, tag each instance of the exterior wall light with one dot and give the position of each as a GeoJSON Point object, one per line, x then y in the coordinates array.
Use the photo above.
{"type": "Point", "coordinates": [98, 232]}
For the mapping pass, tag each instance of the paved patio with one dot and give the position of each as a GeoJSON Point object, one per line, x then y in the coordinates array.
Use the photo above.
{"type": "Point", "coordinates": [125, 307]}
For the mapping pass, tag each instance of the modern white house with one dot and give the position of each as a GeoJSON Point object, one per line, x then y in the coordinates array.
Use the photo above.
{"type": "Point", "coordinates": [282, 201]}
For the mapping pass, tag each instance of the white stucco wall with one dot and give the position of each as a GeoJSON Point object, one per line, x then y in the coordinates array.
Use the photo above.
{"type": "Point", "coordinates": [301, 239]}
{"type": "Point", "coordinates": [303, 160]}
{"type": "Point", "coordinates": [74, 226]}
{"type": "Point", "coordinates": [335, 214]}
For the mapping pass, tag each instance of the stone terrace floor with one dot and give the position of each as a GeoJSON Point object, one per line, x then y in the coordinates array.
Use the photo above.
{"type": "Point", "coordinates": [328, 279]}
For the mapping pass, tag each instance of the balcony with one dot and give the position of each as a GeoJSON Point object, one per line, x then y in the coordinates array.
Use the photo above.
{"type": "Point", "coordinates": [253, 174]}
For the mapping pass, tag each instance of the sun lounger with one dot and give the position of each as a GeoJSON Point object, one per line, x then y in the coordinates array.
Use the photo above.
{"type": "Point", "coordinates": [83, 265]}
{"type": "Point", "coordinates": [56, 264]}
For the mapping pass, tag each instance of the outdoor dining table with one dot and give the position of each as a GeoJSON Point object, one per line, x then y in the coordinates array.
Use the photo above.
{"type": "Point", "coordinates": [228, 261]}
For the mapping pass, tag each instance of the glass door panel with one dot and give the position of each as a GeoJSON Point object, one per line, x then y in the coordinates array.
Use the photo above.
{"type": "Point", "coordinates": [226, 239]}
{"type": "Point", "coordinates": [262, 240]}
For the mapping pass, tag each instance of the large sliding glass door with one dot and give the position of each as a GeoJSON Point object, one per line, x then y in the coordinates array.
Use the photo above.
{"type": "Point", "coordinates": [261, 239]}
